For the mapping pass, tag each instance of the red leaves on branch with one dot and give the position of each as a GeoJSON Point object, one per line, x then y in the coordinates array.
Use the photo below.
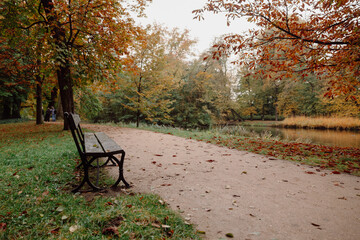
{"type": "Point", "coordinates": [326, 42]}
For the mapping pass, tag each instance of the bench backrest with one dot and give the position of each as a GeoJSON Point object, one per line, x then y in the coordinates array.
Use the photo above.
{"type": "Point", "coordinates": [76, 131]}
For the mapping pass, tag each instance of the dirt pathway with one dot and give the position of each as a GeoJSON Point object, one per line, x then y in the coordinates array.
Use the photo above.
{"type": "Point", "coordinates": [223, 191]}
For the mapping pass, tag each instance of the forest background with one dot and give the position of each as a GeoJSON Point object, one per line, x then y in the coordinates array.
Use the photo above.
{"type": "Point", "coordinates": [90, 57]}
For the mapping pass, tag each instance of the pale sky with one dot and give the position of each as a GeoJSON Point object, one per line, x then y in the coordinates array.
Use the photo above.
{"type": "Point", "coordinates": [178, 13]}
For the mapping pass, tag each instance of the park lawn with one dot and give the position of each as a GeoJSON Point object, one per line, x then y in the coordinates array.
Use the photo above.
{"type": "Point", "coordinates": [37, 166]}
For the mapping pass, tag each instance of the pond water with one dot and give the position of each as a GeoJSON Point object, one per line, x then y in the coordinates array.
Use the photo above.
{"type": "Point", "coordinates": [323, 137]}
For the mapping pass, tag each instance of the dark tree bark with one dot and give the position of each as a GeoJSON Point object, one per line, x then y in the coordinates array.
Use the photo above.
{"type": "Point", "coordinates": [236, 115]}
{"type": "Point", "coordinates": [53, 97]}
{"type": "Point", "coordinates": [15, 108]}
{"type": "Point", "coordinates": [138, 112]}
{"type": "Point", "coordinates": [39, 107]}
{"type": "Point", "coordinates": [6, 109]}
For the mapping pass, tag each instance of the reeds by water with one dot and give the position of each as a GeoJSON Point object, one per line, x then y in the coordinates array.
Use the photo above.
{"type": "Point", "coordinates": [337, 123]}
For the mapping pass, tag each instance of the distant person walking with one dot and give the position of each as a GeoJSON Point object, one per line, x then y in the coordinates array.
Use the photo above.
{"type": "Point", "coordinates": [53, 114]}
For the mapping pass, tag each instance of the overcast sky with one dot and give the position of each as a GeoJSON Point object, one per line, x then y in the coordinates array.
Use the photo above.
{"type": "Point", "coordinates": [178, 13]}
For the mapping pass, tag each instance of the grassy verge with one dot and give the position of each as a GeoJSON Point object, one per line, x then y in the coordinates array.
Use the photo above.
{"type": "Point", "coordinates": [37, 166]}
{"type": "Point", "coordinates": [337, 123]}
{"type": "Point", "coordinates": [337, 159]}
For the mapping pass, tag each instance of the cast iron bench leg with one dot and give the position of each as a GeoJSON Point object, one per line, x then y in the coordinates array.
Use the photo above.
{"type": "Point", "coordinates": [121, 171]}
{"type": "Point", "coordinates": [86, 178]}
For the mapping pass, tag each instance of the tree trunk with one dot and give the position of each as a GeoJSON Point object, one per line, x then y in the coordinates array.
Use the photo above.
{"type": "Point", "coordinates": [59, 110]}
{"type": "Point", "coordinates": [6, 109]}
{"type": "Point", "coordinates": [138, 112]}
{"type": "Point", "coordinates": [137, 118]}
{"type": "Point", "coordinates": [15, 108]}
{"type": "Point", "coordinates": [54, 95]}
{"type": "Point", "coordinates": [66, 90]}
{"type": "Point", "coordinates": [236, 115]}
{"type": "Point", "coordinates": [39, 107]}
{"type": "Point", "coordinates": [63, 73]}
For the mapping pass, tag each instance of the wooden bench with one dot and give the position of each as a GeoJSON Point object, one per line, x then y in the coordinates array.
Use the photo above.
{"type": "Point", "coordinates": [94, 148]}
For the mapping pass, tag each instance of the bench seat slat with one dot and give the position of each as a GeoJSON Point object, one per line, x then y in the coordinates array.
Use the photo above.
{"type": "Point", "coordinates": [92, 145]}
{"type": "Point", "coordinates": [108, 144]}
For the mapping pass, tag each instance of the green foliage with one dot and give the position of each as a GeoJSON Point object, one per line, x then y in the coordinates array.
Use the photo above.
{"type": "Point", "coordinates": [36, 168]}
{"type": "Point", "coordinates": [88, 104]}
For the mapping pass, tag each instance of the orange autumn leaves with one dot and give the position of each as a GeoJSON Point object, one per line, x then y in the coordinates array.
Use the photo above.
{"type": "Point", "coordinates": [296, 37]}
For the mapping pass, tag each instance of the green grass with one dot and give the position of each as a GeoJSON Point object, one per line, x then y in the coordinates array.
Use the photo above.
{"type": "Point", "coordinates": [37, 165]}
{"type": "Point", "coordinates": [337, 159]}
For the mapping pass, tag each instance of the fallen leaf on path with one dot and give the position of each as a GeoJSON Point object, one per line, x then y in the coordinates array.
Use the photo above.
{"type": "Point", "coordinates": [201, 232]}
{"type": "Point", "coordinates": [226, 154]}
{"type": "Point", "coordinates": [310, 172]}
{"type": "Point", "coordinates": [316, 225]}
{"type": "Point", "coordinates": [210, 161]}
{"type": "Point", "coordinates": [342, 198]}
{"type": "Point", "coordinates": [335, 172]}
{"type": "Point", "coordinates": [159, 155]}
{"type": "Point", "coordinates": [229, 235]}
{"type": "Point", "coordinates": [166, 184]}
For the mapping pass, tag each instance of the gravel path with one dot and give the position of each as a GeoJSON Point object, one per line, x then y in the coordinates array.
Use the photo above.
{"type": "Point", "coordinates": [221, 190]}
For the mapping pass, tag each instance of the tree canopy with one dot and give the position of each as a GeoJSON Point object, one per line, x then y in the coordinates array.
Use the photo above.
{"type": "Point", "coordinates": [321, 36]}
{"type": "Point", "coordinates": [84, 39]}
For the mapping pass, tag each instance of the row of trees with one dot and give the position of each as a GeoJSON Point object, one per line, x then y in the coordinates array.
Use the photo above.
{"type": "Point", "coordinates": [163, 84]}
{"type": "Point", "coordinates": [260, 97]}
{"type": "Point", "coordinates": [108, 69]}
{"type": "Point", "coordinates": [62, 43]}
